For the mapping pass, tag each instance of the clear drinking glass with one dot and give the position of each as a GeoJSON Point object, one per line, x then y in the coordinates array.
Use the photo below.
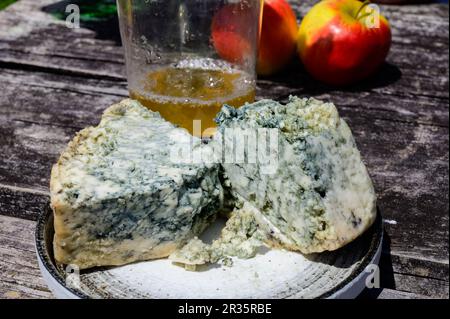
{"type": "Point", "coordinates": [186, 58]}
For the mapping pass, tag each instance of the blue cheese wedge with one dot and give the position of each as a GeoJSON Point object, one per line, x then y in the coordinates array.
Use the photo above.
{"type": "Point", "coordinates": [299, 167]}
{"type": "Point", "coordinates": [119, 196]}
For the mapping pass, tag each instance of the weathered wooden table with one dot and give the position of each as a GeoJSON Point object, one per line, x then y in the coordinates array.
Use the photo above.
{"type": "Point", "coordinates": [55, 81]}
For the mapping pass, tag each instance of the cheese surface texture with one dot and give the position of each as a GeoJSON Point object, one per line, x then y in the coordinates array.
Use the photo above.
{"type": "Point", "coordinates": [314, 192]}
{"type": "Point", "coordinates": [136, 188]}
{"type": "Point", "coordinates": [241, 237]}
{"type": "Point", "coordinates": [118, 196]}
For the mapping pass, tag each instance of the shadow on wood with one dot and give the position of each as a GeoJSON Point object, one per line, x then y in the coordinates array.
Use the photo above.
{"type": "Point", "coordinates": [99, 16]}
{"type": "Point", "coordinates": [386, 269]}
{"type": "Point", "coordinates": [386, 272]}
{"type": "Point", "coordinates": [296, 77]}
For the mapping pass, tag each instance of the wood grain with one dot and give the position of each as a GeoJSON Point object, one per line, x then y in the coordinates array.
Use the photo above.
{"type": "Point", "coordinates": [74, 51]}
{"type": "Point", "coordinates": [419, 47]}
{"type": "Point", "coordinates": [19, 272]}
{"type": "Point", "coordinates": [55, 81]}
{"type": "Point", "coordinates": [423, 286]}
{"type": "Point", "coordinates": [20, 277]}
{"type": "Point", "coordinates": [386, 293]}
{"type": "Point", "coordinates": [407, 161]}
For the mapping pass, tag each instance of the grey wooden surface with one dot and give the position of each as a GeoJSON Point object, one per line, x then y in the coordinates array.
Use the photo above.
{"type": "Point", "coordinates": [55, 80]}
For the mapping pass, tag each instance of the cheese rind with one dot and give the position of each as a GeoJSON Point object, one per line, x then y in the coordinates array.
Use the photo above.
{"type": "Point", "coordinates": [118, 196]}
{"type": "Point", "coordinates": [317, 195]}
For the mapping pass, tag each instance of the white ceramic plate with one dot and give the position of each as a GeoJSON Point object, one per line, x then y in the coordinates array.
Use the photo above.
{"type": "Point", "coordinates": [271, 274]}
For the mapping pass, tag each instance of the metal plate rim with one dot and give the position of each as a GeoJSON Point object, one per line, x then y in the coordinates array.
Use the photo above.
{"type": "Point", "coordinates": [58, 286]}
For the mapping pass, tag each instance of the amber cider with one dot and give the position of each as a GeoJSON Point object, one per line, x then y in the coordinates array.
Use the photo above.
{"type": "Point", "coordinates": [192, 91]}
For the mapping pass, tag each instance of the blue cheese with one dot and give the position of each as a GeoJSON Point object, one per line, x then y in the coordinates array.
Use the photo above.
{"type": "Point", "coordinates": [119, 196]}
{"type": "Point", "coordinates": [242, 237]}
{"type": "Point", "coordinates": [317, 194]}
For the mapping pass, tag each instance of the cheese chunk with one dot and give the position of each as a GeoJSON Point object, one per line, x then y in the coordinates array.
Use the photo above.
{"type": "Point", "coordinates": [241, 237]}
{"type": "Point", "coordinates": [300, 169]}
{"type": "Point", "coordinates": [120, 195]}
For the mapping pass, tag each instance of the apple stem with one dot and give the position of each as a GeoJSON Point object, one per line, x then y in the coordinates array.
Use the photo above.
{"type": "Point", "coordinates": [365, 4]}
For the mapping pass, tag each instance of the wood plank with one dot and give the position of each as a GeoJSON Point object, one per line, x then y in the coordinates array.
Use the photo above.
{"type": "Point", "coordinates": [396, 294]}
{"type": "Point", "coordinates": [408, 161]}
{"type": "Point", "coordinates": [19, 272]}
{"type": "Point", "coordinates": [390, 99]}
{"type": "Point", "coordinates": [385, 293]}
{"type": "Point", "coordinates": [60, 100]}
{"type": "Point", "coordinates": [399, 118]}
{"type": "Point", "coordinates": [20, 276]}
{"type": "Point", "coordinates": [423, 278]}
{"type": "Point", "coordinates": [429, 287]}
{"type": "Point", "coordinates": [414, 265]}
{"type": "Point", "coordinates": [422, 110]}
{"type": "Point", "coordinates": [409, 167]}
{"type": "Point", "coordinates": [419, 48]}
{"type": "Point", "coordinates": [403, 88]}
{"type": "Point", "coordinates": [36, 124]}
{"type": "Point", "coordinates": [22, 202]}
{"type": "Point", "coordinates": [78, 51]}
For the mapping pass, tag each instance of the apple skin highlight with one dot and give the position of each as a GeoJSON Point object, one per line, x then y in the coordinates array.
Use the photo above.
{"type": "Point", "coordinates": [278, 37]}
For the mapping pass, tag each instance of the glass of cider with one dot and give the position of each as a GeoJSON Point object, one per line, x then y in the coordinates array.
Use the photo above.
{"type": "Point", "coordinates": [187, 58]}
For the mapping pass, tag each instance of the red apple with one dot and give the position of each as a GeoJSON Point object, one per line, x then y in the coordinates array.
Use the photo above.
{"type": "Point", "coordinates": [278, 39]}
{"type": "Point", "coordinates": [343, 41]}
